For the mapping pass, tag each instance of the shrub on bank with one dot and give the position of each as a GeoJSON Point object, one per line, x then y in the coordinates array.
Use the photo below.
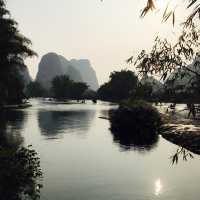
{"type": "Point", "coordinates": [136, 120]}
{"type": "Point", "coordinates": [20, 173]}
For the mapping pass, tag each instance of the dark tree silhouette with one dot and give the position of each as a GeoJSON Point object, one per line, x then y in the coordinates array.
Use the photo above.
{"type": "Point", "coordinates": [61, 86]}
{"type": "Point", "coordinates": [121, 86]}
{"type": "Point", "coordinates": [104, 92]}
{"type": "Point", "coordinates": [78, 90]}
{"type": "Point", "coordinates": [64, 88]}
{"type": "Point", "coordinates": [144, 91]}
{"type": "Point", "coordinates": [20, 172]}
{"type": "Point", "coordinates": [35, 89]}
{"type": "Point", "coordinates": [14, 48]}
{"type": "Point", "coordinates": [135, 124]}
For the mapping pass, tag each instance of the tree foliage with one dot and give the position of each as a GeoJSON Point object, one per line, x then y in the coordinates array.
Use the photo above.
{"type": "Point", "coordinates": [20, 172]}
{"type": "Point", "coordinates": [144, 91]}
{"type": "Point", "coordinates": [181, 153]}
{"type": "Point", "coordinates": [14, 48]}
{"type": "Point", "coordinates": [193, 16]}
{"type": "Point", "coordinates": [78, 89]}
{"type": "Point", "coordinates": [165, 57]}
{"type": "Point", "coordinates": [35, 89]}
{"type": "Point", "coordinates": [120, 86]}
{"type": "Point", "coordinates": [136, 124]}
{"type": "Point", "coordinates": [64, 88]}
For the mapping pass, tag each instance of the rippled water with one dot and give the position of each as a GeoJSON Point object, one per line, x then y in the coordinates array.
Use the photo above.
{"type": "Point", "coordinates": [81, 159]}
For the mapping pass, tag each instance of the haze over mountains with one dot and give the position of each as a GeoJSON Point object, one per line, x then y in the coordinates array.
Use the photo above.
{"type": "Point", "coordinates": [52, 65]}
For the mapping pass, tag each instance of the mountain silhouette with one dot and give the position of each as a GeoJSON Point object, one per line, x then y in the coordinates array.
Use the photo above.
{"type": "Point", "coordinates": [52, 65]}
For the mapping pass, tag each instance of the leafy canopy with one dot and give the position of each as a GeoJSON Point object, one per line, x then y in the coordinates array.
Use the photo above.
{"type": "Point", "coordinates": [195, 14]}
{"type": "Point", "coordinates": [14, 48]}
{"type": "Point", "coordinates": [63, 87]}
{"type": "Point", "coordinates": [164, 57]}
{"type": "Point", "coordinates": [121, 86]}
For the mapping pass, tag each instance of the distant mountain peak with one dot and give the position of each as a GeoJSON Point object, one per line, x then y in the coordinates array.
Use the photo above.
{"type": "Point", "coordinates": [79, 70]}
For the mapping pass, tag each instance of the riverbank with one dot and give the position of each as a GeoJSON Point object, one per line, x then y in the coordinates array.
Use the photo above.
{"type": "Point", "coordinates": [178, 129]}
{"type": "Point", "coordinates": [17, 106]}
{"type": "Point", "coordinates": [181, 130]}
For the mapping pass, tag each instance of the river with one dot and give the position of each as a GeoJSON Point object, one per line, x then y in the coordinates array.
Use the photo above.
{"type": "Point", "coordinates": [81, 159]}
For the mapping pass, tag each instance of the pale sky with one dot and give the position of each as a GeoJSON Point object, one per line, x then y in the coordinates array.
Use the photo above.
{"type": "Point", "coordinates": [106, 33]}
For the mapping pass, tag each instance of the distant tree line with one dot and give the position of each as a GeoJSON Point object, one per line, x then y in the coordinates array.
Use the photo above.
{"type": "Point", "coordinates": [35, 89]}
{"type": "Point", "coordinates": [62, 87]}
{"type": "Point", "coordinates": [124, 85]}
{"type": "Point", "coordinates": [181, 93]}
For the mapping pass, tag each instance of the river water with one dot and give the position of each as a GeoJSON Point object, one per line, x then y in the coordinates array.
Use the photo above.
{"type": "Point", "coordinates": [81, 159]}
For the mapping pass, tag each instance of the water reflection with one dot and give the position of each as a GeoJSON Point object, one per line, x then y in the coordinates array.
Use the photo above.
{"type": "Point", "coordinates": [129, 141]}
{"type": "Point", "coordinates": [19, 166]}
{"type": "Point", "coordinates": [12, 122]}
{"type": "Point", "coordinates": [53, 123]}
{"type": "Point", "coordinates": [133, 130]}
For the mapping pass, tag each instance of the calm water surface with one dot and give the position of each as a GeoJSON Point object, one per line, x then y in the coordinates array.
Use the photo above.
{"type": "Point", "coordinates": [81, 160]}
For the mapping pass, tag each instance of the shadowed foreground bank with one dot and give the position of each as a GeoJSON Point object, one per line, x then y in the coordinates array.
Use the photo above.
{"type": "Point", "coordinates": [20, 170]}
{"type": "Point", "coordinates": [180, 130]}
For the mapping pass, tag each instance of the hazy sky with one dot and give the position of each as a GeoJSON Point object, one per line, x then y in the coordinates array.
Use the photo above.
{"type": "Point", "coordinates": [106, 33]}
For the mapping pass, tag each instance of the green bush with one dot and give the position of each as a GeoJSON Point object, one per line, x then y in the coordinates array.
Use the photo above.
{"type": "Point", "coordinates": [136, 122]}
{"type": "Point", "coordinates": [19, 174]}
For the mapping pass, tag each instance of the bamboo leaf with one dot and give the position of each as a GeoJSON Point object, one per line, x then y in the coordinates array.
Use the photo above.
{"type": "Point", "coordinates": [192, 3]}
{"type": "Point", "coordinates": [173, 19]}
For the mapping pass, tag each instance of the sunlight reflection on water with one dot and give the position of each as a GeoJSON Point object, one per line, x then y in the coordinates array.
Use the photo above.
{"type": "Point", "coordinates": [158, 187]}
